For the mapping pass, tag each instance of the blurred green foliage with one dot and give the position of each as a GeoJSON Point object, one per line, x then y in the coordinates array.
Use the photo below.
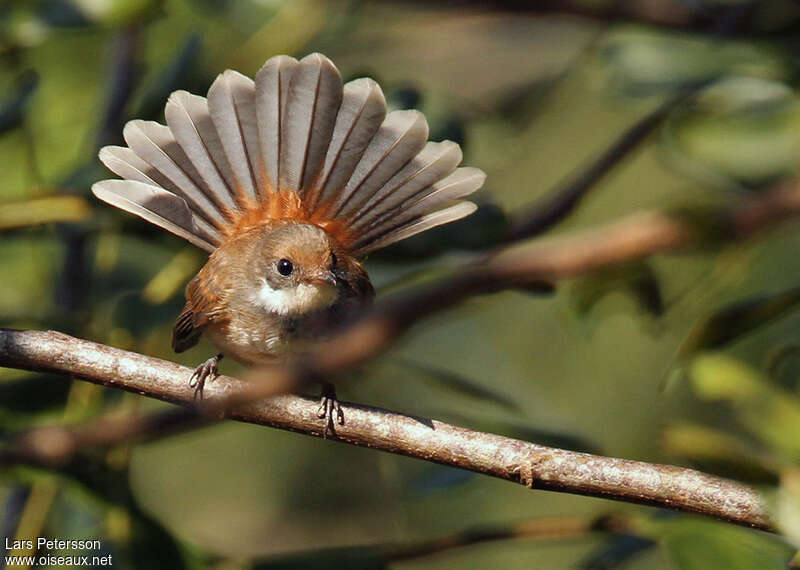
{"type": "Point", "coordinates": [531, 97]}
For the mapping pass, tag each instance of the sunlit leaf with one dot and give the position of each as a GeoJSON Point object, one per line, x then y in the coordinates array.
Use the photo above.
{"type": "Point", "coordinates": [117, 12]}
{"type": "Point", "coordinates": [21, 26]}
{"type": "Point", "coordinates": [717, 452]}
{"type": "Point", "coordinates": [173, 276]}
{"type": "Point", "coordinates": [43, 211]}
{"type": "Point", "coordinates": [766, 410]}
{"type": "Point", "coordinates": [787, 505]}
{"type": "Point", "coordinates": [33, 261]}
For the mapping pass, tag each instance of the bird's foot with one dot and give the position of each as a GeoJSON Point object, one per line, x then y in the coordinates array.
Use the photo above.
{"type": "Point", "coordinates": [206, 371]}
{"type": "Point", "coordinates": [330, 408]}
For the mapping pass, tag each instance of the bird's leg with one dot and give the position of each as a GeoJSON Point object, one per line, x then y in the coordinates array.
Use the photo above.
{"type": "Point", "coordinates": [206, 371]}
{"type": "Point", "coordinates": [329, 407]}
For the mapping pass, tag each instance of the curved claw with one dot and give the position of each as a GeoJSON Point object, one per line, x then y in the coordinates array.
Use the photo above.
{"type": "Point", "coordinates": [329, 407]}
{"type": "Point", "coordinates": [206, 371]}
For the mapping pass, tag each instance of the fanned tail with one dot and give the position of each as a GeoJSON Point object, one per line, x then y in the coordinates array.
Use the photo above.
{"type": "Point", "coordinates": [295, 144]}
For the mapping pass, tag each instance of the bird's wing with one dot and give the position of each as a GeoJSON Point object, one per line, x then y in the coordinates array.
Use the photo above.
{"type": "Point", "coordinates": [293, 144]}
{"type": "Point", "coordinates": [205, 301]}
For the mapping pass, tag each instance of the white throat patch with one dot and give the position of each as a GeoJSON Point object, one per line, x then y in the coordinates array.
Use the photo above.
{"type": "Point", "coordinates": [299, 299]}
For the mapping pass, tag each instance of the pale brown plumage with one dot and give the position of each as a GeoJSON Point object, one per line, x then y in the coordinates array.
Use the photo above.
{"type": "Point", "coordinates": [222, 297]}
{"type": "Point", "coordinates": [292, 169]}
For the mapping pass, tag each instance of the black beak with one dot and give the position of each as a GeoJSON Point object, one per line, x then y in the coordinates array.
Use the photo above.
{"type": "Point", "coordinates": [327, 278]}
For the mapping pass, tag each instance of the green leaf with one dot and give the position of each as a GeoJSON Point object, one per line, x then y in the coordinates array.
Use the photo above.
{"type": "Point", "coordinates": [33, 261]}
{"type": "Point", "coordinates": [460, 384]}
{"type": "Point", "coordinates": [43, 211]}
{"type": "Point", "coordinates": [742, 130]}
{"type": "Point", "coordinates": [638, 280]}
{"type": "Point", "coordinates": [118, 12]}
{"type": "Point", "coordinates": [769, 412]}
{"type": "Point", "coordinates": [643, 61]}
{"type": "Point", "coordinates": [693, 544]}
{"type": "Point", "coordinates": [172, 278]}
{"type": "Point", "coordinates": [787, 505]}
{"type": "Point", "coordinates": [738, 319]}
{"type": "Point", "coordinates": [149, 544]}
{"type": "Point", "coordinates": [176, 74]}
{"type": "Point", "coordinates": [718, 452]}
{"type": "Point", "coordinates": [15, 104]}
{"type": "Point", "coordinates": [778, 357]}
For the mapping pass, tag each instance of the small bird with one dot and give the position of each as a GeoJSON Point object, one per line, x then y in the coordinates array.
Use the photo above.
{"type": "Point", "coordinates": [285, 180]}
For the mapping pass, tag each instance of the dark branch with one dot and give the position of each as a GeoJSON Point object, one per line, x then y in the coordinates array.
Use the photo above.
{"type": "Point", "coordinates": [557, 204]}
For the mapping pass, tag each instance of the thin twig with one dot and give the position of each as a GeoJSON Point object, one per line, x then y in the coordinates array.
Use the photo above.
{"type": "Point", "coordinates": [532, 465]}
{"type": "Point", "coordinates": [558, 203]}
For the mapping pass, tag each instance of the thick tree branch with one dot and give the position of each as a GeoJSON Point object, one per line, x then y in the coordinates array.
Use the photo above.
{"type": "Point", "coordinates": [535, 466]}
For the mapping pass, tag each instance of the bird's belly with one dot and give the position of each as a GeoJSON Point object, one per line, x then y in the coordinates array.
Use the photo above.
{"type": "Point", "coordinates": [247, 344]}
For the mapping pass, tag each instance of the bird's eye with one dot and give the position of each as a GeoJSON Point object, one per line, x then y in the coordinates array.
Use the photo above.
{"type": "Point", "coordinates": [333, 260]}
{"type": "Point", "coordinates": [285, 267]}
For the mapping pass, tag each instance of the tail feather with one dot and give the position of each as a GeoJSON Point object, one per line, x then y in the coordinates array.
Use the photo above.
{"type": "Point", "coordinates": [293, 143]}
{"type": "Point", "coordinates": [452, 213]}
{"type": "Point", "coordinates": [155, 144]}
{"type": "Point", "coordinates": [126, 163]}
{"type": "Point", "coordinates": [401, 136]}
{"type": "Point", "coordinates": [434, 162]}
{"type": "Point", "coordinates": [462, 182]}
{"type": "Point", "coordinates": [231, 103]}
{"type": "Point", "coordinates": [272, 88]}
{"type": "Point", "coordinates": [190, 122]}
{"type": "Point", "coordinates": [360, 116]}
{"type": "Point", "coordinates": [123, 162]}
{"type": "Point", "coordinates": [159, 207]}
{"type": "Point", "coordinates": [313, 101]}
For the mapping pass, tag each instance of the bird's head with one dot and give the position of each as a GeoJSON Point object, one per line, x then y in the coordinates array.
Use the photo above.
{"type": "Point", "coordinates": [292, 269]}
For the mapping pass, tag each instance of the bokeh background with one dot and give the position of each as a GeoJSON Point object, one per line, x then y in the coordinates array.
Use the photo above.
{"type": "Point", "coordinates": [686, 359]}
